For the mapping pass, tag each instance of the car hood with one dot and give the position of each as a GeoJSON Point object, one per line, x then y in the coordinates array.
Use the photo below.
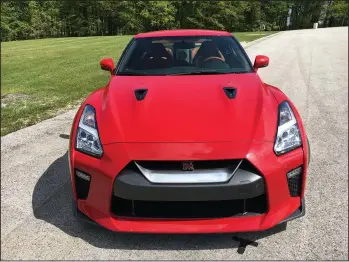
{"type": "Point", "coordinates": [187, 109]}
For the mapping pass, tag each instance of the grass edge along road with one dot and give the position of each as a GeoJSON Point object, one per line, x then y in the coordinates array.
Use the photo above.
{"type": "Point", "coordinates": [45, 77]}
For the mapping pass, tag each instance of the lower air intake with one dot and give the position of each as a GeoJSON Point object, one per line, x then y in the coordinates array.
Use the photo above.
{"type": "Point", "coordinates": [188, 209]}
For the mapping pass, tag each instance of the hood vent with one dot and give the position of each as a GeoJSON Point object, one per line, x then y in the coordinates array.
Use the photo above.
{"type": "Point", "coordinates": [141, 93]}
{"type": "Point", "coordinates": [230, 92]}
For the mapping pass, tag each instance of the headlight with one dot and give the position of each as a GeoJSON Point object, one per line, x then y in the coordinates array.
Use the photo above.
{"type": "Point", "coordinates": [87, 138]}
{"type": "Point", "coordinates": [288, 136]}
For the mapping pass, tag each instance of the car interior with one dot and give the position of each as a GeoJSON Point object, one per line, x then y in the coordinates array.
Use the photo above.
{"type": "Point", "coordinates": [201, 53]}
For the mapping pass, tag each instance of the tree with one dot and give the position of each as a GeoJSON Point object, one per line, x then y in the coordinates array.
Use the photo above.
{"type": "Point", "coordinates": [338, 11]}
{"type": "Point", "coordinates": [274, 14]}
{"type": "Point", "coordinates": [33, 19]}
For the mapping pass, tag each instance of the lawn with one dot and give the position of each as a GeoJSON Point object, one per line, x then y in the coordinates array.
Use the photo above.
{"type": "Point", "coordinates": [42, 78]}
{"type": "Point", "coordinates": [250, 36]}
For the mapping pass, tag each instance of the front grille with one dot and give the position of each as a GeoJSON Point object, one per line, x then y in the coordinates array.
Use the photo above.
{"type": "Point", "coordinates": [133, 196]}
{"type": "Point", "coordinates": [188, 209]}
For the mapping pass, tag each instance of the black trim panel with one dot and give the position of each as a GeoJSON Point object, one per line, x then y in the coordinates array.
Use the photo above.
{"type": "Point", "coordinates": [132, 185]}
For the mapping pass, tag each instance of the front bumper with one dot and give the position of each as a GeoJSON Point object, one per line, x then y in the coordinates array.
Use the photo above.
{"type": "Point", "coordinates": [300, 212]}
{"type": "Point", "coordinates": [108, 181]}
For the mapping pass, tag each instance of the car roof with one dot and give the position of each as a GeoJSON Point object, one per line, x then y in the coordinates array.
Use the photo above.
{"type": "Point", "coordinates": [183, 32]}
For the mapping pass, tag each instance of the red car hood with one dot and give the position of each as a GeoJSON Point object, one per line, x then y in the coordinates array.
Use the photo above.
{"type": "Point", "coordinates": [187, 109]}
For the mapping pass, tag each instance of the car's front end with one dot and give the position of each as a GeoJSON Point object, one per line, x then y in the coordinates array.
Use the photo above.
{"type": "Point", "coordinates": [118, 196]}
{"type": "Point", "coordinates": [160, 161]}
{"type": "Point", "coordinates": [188, 187]}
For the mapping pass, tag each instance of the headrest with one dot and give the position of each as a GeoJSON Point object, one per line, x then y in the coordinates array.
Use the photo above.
{"type": "Point", "coordinates": [158, 50]}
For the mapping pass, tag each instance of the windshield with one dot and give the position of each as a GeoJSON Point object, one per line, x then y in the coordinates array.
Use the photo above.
{"type": "Point", "coordinates": [184, 55]}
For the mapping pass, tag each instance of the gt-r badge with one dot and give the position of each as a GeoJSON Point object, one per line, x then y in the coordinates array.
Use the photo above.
{"type": "Point", "coordinates": [187, 166]}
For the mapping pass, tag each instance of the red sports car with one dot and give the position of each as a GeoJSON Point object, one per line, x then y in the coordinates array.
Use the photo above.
{"type": "Point", "coordinates": [186, 138]}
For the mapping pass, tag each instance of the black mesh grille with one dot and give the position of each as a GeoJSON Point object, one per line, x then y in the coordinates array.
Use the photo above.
{"type": "Point", "coordinates": [295, 185]}
{"type": "Point", "coordinates": [188, 209]}
{"type": "Point", "coordinates": [82, 187]}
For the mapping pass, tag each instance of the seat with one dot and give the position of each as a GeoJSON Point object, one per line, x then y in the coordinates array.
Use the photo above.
{"type": "Point", "coordinates": [207, 49]}
{"type": "Point", "coordinates": [157, 57]}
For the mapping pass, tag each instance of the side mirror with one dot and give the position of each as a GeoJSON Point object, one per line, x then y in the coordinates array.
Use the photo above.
{"type": "Point", "coordinates": [260, 61]}
{"type": "Point", "coordinates": [107, 64]}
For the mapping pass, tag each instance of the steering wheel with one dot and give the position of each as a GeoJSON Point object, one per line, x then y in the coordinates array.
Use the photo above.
{"type": "Point", "coordinates": [214, 57]}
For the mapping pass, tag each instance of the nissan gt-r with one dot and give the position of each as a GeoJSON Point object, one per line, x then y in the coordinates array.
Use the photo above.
{"type": "Point", "coordinates": [187, 138]}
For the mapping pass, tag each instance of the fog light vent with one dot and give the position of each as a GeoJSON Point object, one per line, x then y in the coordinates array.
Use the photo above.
{"type": "Point", "coordinates": [294, 179]}
{"type": "Point", "coordinates": [82, 184]}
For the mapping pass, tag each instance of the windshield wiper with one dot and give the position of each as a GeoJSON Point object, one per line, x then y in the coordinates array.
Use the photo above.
{"type": "Point", "coordinates": [130, 73]}
{"type": "Point", "coordinates": [203, 72]}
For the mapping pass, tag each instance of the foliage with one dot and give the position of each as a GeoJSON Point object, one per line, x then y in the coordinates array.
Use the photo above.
{"type": "Point", "coordinates": [65, 18]}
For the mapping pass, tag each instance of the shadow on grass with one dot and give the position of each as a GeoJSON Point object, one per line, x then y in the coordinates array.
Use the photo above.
{"type": "Point", "coordinates": [52, 203]}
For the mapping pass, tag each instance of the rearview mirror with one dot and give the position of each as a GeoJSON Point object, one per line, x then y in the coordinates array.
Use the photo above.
{"type": "Point", "coordinates": [260, 61]}
{"type": "Point", "coordinates": [107, 64]}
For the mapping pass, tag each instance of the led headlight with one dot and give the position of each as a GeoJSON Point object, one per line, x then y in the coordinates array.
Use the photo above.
{"type": "Point", "coordinates": [288, 136]}
{"type": "Point", "coordinates": [87, 138]}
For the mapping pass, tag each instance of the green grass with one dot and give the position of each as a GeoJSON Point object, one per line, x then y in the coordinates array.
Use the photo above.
{"type": "Point", "coordinates": [41, 78]}
{"type": "Point", "coordinates": [250, 36]}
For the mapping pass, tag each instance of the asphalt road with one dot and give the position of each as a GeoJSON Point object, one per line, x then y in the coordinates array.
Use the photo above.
{"type": "Point", "coordinates": [310, 66]}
